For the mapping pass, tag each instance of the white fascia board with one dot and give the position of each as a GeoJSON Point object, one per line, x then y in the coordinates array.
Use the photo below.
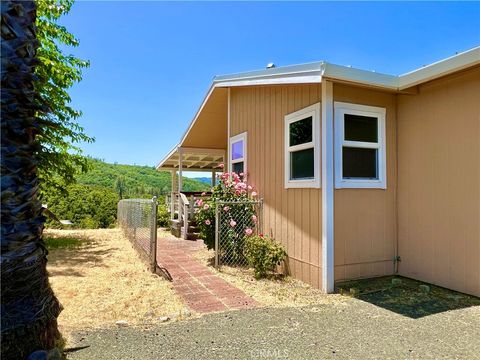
{"type": "Point", "coordinates": [310, 69]}
{"type": "Point", "coordinates": [440, 68]}
{"type": "Point", "coordinates": [345, 73]}
{"type": "Point", "coordinates": [297, 74]}
{"type": "Point", "coordinates": [165, 159]}
{"type": "Point", "coordinates": [309, 79]}
{"type": "Point", "coordinates": [307, 73]}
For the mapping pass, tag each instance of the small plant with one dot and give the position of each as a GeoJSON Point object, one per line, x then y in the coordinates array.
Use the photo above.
{"type": "Point", "coordinates": [163, 216]}
{"type": "Point", "coordinates": [263, 254]}
{"type": "Point", "coordinates": [396, 282]}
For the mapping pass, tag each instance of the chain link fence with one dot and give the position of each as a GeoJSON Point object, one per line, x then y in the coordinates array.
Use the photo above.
{"type": "Point", "coordinates": [234, 221]}
{"type": "Point", "coordinates": [138, 220]}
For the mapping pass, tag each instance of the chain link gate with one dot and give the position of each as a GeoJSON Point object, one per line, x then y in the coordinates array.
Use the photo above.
{"type": "Point", "coordinates": [234, 221]}
{"type": "Point", "coordinates": [138, 220]}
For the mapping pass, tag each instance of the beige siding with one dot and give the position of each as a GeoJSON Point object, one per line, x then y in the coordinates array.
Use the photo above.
{"type": "Point", "coordinates": [432, 211]}
{"type": "Point", "coordinates": [439, 182]}
{"type": "Point", "coordinates": [292, 216]}
{"type": "Point", "coordinates": [365, 231]}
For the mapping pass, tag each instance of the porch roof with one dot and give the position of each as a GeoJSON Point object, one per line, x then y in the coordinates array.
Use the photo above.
{"type": "Point", "coordinates": [193, 159]}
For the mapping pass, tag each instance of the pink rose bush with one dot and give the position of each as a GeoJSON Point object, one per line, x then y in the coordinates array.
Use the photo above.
{"type": "Point", "coordinates": [237, 213]}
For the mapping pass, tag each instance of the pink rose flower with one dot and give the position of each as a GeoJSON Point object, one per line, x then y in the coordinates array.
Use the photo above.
{"type": "Point", "coordinates": [248, 231]}
{"type": "Point", "coordinates": [199, 202]}
{"type": "Point", "coordinates": [250, 187]}
{"type": "Point", "coordinates": [233, 223]}
{"type": "Point", "coordinates": [254, 218]}
{"type": "Point", "coordinates": [221, 166]}
{"type": "Point", "coordinates": [206, 207]}
{"type": "Point", "coordinates": [254, 193]}
{"type": "Point", "coordinates": [207, 222]}
{"type": "Point", "coordinates": [203, 193]}
{"type": "Point", "coordinates": [226, 208]}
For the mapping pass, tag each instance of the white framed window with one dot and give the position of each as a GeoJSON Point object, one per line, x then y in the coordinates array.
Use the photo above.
{"type": "Point", "coordinates": [238, 153]}
{"type": "Point", "coordinates": [302, 148]}
{"type": "Point", "coordinates": [360, 151]}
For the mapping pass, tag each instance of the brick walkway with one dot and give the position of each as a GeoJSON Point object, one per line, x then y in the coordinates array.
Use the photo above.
{"type": "Point", "coordinates": [200, 288]}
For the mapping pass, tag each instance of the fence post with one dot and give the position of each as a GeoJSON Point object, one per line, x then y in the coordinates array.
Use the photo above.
{"type": "Point", "coordinates": [134, 215]}
{"type": "Point", "coordinates": [217, 221]}
{"type": "Point", "coordinates": [153, 235]}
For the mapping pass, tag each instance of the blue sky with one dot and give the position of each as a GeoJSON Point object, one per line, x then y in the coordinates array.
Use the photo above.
{"type": "Point", "coordinates": [152, 62]}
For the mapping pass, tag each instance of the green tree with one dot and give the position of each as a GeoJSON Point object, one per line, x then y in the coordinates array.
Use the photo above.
{"type": "Point", "coordinates": [120, 186]}
{"type": "Point", "coordinates": [29, 307]}
{"type": "Point", "coordinates": [59, 157]}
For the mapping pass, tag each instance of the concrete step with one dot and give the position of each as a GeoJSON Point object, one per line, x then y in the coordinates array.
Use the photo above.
{"type": "Point", "coordinates": [192, 235]}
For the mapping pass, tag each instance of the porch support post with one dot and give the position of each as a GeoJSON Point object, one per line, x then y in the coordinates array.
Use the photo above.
{"type": "Point", "coordinates": [172, 194]}
{"type": "Point", "coordinates": [226, 156]}
{"type": "Point", "coordinates": [180, 161]}
{"type": "Point", "coordinates": [214, 177]}
{"type": "Point", "coordinates": [328, 277]}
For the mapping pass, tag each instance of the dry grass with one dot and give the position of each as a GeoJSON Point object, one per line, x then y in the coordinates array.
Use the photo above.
{"type": "Point", "coordinates": [283, 291]}
{"type": "Point", "coordinates": [101, 279]}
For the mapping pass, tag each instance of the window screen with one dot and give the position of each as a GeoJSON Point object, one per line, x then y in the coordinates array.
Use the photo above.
{"type": "Point", "coordinates": [360, 163]}
{"type": "Point", "coordinates": [301, 131]}
{"type": "Point", "coordinates": [361, 128]}
{"type": "Point", "coordinates": [302, 164]}
{"type": "Point", "coordinates": [237, 167]}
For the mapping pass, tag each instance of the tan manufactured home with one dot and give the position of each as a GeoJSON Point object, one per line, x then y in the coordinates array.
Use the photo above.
{"type": "Point", "coordinates": [362, 174]}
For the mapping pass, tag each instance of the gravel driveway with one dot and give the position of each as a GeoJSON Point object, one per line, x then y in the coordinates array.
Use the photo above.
{"type": "Point", "coordinates": [351, 329]}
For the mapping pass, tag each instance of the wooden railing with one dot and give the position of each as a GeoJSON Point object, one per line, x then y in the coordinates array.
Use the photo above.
{"type": "Point", "coordinates": [184, 205]}
{"type": "Point", "coordinates": [185, 213]}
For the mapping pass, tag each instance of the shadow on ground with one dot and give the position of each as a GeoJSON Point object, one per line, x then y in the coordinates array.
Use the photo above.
{"type": "Point", "coordinates": [406, 296]}
{"type": "Point", "coordinates": [69, 252]}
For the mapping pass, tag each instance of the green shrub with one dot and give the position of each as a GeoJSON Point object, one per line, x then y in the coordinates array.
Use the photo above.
{"type": "Point", "coordinates": [230, 188]}
{"type": "Point", "coordinates": [263, 254]}
{"type": "Point", "coordinates": [163, 216]}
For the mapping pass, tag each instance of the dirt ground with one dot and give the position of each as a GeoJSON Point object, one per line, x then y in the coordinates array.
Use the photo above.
{"type": "Point", "coordinates": [99, 279]}
{"type": "Point", "coordinates": [275, 291]}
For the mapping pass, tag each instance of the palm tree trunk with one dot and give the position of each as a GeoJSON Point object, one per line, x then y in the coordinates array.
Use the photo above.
{"type": "Point", "coordinates": [29, 308]}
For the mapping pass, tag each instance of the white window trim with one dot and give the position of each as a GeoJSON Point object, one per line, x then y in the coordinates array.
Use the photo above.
{"type": "Point", "coordinates": [314, 112]}
{"type": "Point", "coordinates": [340, 109]}
{"type": "Point", "coordinates": [233, 140]}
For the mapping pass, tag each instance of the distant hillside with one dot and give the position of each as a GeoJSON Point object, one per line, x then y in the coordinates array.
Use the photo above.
{"type": "Point", "coordinates": [206, 180]}
{"type": "Point", "coordinates": [137, 179]}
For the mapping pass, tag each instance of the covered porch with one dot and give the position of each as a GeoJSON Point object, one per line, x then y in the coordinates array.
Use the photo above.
{"type": "Point", "coordinates": [181, 202]}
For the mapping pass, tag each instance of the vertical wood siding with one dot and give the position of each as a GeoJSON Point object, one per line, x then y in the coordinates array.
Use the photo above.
{"type": "Point", "coordinates": [291, 216]}
{"type": "Point", "coordinates": [365, 220]}
{"type": "Point", "coordinates": [439, 182]}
